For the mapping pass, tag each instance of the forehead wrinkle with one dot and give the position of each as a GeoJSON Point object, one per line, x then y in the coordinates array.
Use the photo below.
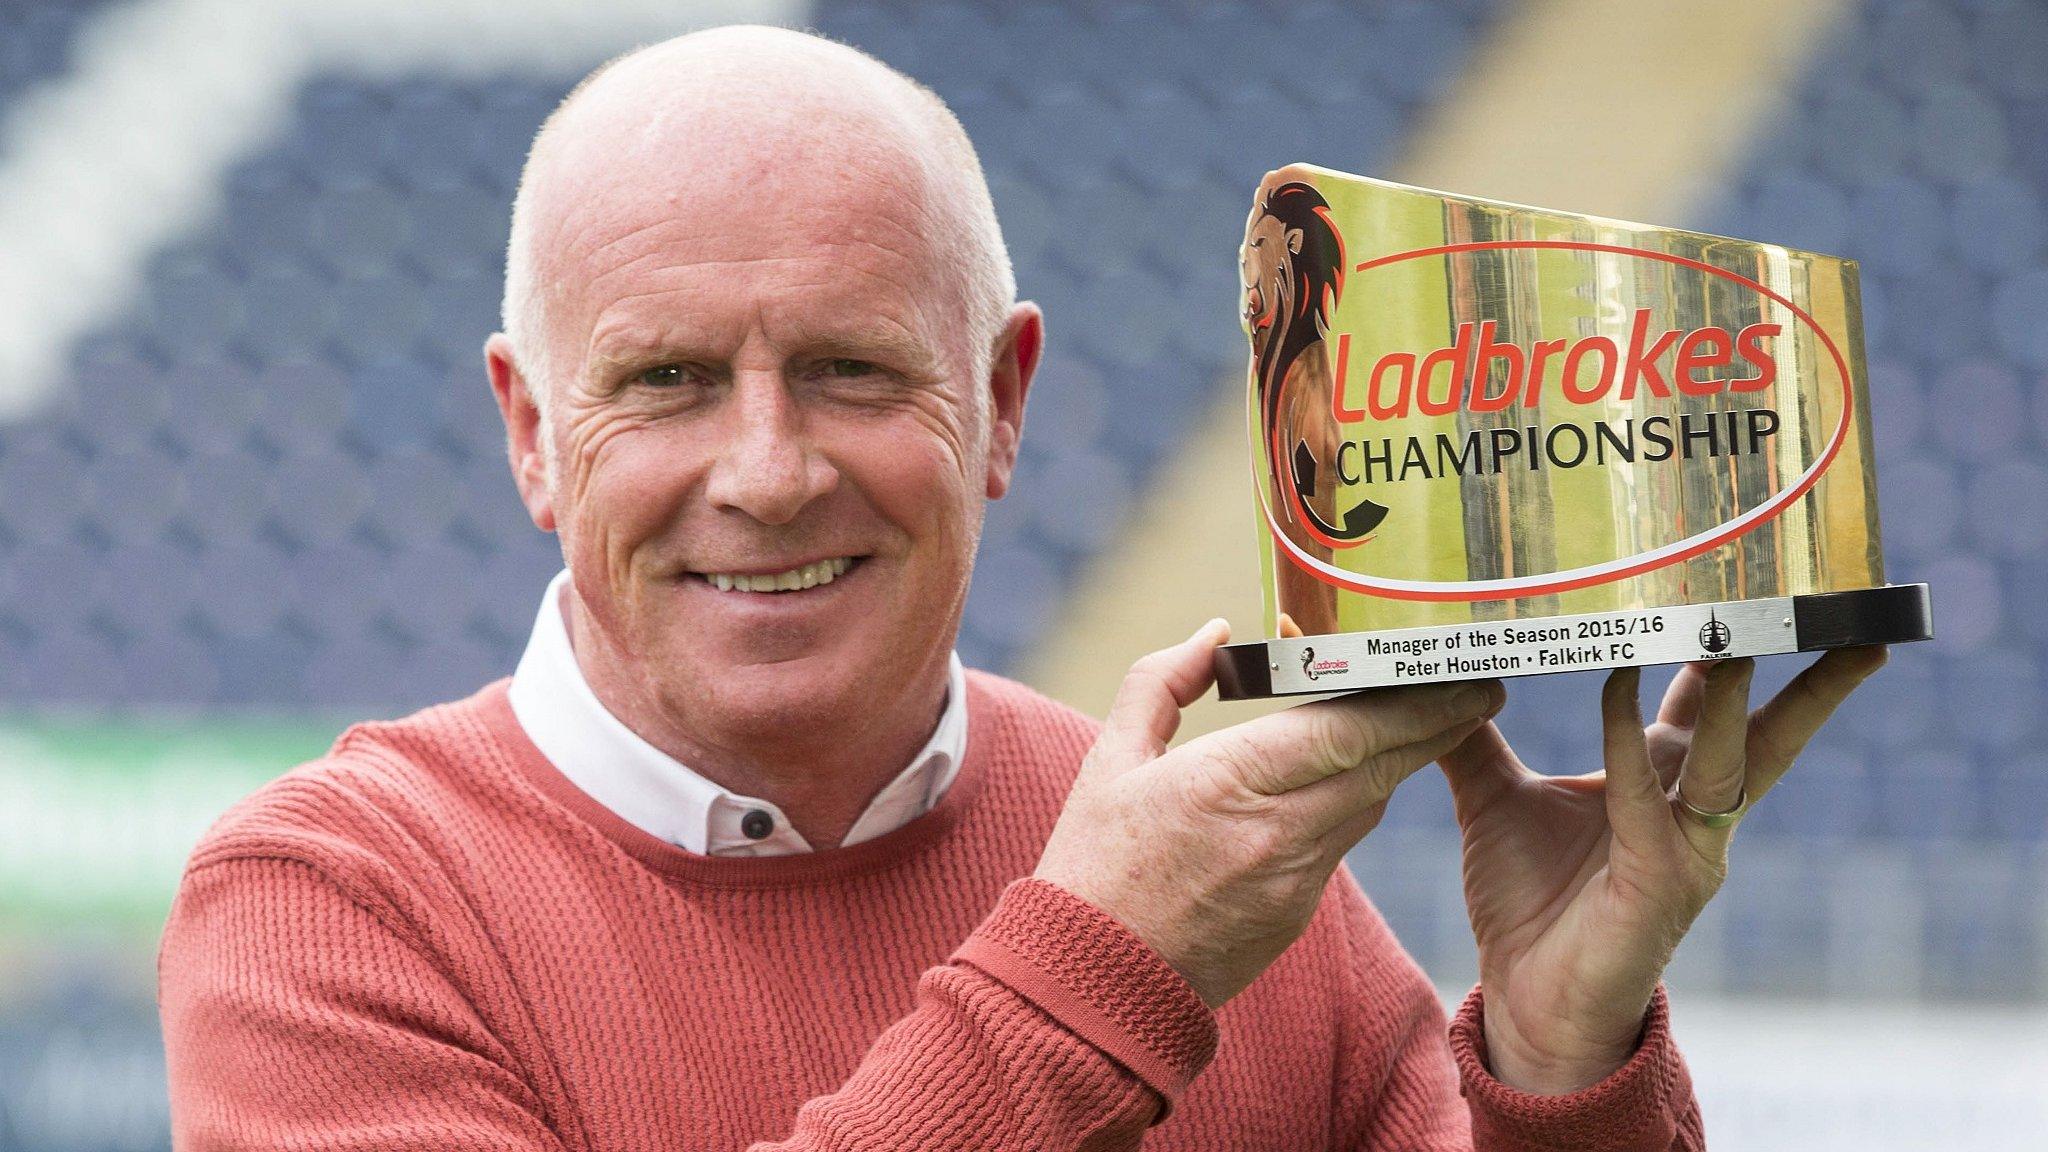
{"type": "Point", "coordinates": [817, 250]}
{"type": "Point", "coordinates": [617, 339]}
{"type": "Point", "coordinates": [795, 326]}
{"type": "Point", "coordinates": [661, 271]}
{"type": "Point", "coordinates": [678, 279]}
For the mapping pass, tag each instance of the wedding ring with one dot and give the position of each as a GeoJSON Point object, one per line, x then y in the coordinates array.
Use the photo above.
{"type": "Point", "coordinates": [1717, 819]}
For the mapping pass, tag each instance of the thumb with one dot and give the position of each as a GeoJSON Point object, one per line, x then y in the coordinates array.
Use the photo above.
{"type": "Point", "coordinates": [1146, 712]}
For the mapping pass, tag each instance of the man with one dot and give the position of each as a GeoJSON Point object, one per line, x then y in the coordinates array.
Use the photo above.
{"type": "Point", "coordinates": [741, 859]}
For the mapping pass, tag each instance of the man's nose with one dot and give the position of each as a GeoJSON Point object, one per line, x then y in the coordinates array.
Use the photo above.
{"type": "Point", "coordinates": [768, 467]}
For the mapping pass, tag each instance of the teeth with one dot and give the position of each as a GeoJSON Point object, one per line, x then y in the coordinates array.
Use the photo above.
{"type": "Point", "coordinates": [794, 580]}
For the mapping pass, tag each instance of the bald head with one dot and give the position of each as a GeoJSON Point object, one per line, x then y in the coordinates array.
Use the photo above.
{"type": "Point", "coordinates": [721, 117]}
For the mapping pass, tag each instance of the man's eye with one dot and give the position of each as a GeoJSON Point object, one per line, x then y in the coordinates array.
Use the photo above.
{"type": "Point", "coordinates": [849, 369]}
{"type": "Point", "coordinates": [666, 376]}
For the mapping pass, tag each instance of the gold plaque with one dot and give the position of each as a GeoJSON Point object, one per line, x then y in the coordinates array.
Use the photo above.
{"type": "Point", "coordinates": [1493, 440]}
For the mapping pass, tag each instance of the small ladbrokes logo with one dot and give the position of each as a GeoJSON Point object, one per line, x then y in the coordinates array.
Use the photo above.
{"type": "Point", "coordinates": [1316, 669]}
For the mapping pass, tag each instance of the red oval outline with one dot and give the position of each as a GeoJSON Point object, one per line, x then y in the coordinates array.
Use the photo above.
{"type": "Point", "coordinates": [1784, 500]}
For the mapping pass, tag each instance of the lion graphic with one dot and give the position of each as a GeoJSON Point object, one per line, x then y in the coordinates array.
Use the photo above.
{"type": "Point", "coordinates": [1292, 270]}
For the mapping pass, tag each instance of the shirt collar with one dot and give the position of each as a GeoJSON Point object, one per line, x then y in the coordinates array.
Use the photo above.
{"type": "Point", "coordinates": [665, 798]}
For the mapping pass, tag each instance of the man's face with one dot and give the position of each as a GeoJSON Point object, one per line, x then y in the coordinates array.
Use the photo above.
{"type": "Point", "coordinates": [771, 459]}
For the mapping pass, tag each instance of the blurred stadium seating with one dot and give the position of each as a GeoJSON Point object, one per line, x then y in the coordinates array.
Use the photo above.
{"type": "Point", "coordinates": [275, 487]}
{"type": "Point", "coordinates": [36, 41]}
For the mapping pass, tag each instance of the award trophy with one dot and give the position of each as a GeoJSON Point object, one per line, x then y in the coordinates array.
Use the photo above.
{"type": "Point", "coordinates": [1492, 440]}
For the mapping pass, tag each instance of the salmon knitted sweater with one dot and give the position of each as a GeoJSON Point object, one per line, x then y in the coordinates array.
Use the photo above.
{"type": "Point", "coordinates": [430, 939]}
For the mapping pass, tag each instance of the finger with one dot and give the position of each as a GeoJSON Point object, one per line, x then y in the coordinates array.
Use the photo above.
{"type": "Point", "coordinates": [1485, 752]}
{"type": "Point", "coordinates": [1712, 778]}
{"type": "Point", "coordinates": [1479, 767]}
{"type": "Point", "coordinates": [1637, 807]}
{"type": "Point", "coordinates": [1289, 630]}
{"type": "Point", "coordinates": [1681, 706]}
{"type": "Point", "coordinates": [1668, 746]}
{"type": "Point", "coordinates": [1345, 807]}
{"type": "Point", "coordinates": [1146, 712]}
{"type": "Point", "coordinates": [1783, 726]}
{"type": "Point", "coordinates": [1283, 751]}
{"type": "Point", "coordinates": [1671, 735]}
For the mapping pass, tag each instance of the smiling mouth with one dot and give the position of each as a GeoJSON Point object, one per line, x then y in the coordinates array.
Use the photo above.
{"type": "Point", "coordinates": [791, 580]}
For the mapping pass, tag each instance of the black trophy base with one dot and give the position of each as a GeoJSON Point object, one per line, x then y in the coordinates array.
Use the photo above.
{"type": "Point", "coordinates": [1340, 662]}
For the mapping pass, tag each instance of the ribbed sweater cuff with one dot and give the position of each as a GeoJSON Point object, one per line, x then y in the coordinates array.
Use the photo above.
{"type": "Point", "coordinates": [1084, 969]}
{"type": "Point", "coordinates": [1638, 1106]}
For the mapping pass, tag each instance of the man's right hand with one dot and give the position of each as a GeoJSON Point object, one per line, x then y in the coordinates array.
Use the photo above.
{"type": "Point", "coordinates": [1217, 852]}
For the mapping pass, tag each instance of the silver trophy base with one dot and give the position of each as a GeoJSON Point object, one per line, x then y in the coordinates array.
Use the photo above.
{"type": "Point", "coordinates": [1340, 662]}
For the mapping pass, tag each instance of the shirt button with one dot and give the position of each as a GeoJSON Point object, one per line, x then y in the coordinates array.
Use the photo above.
{"type": "Point", "coordinates": [756, 824]}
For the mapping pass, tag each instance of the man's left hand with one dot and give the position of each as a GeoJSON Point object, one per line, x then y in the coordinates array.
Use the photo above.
{"type": "Point", "coordinates": [1579, 887]}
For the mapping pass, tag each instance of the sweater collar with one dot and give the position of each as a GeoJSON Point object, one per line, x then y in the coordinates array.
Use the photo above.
{"type": "Point", "coordinates": [666, 799]}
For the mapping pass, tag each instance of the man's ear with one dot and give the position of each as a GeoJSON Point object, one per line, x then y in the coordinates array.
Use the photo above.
{"type": "Point", "coordinates": [522, 430]}
{"type": "Point", "coordinates": [1009, 379]}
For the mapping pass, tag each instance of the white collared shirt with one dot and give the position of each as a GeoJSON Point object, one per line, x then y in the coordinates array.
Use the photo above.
{"type": "Point", "coordinates": [656, 793]}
